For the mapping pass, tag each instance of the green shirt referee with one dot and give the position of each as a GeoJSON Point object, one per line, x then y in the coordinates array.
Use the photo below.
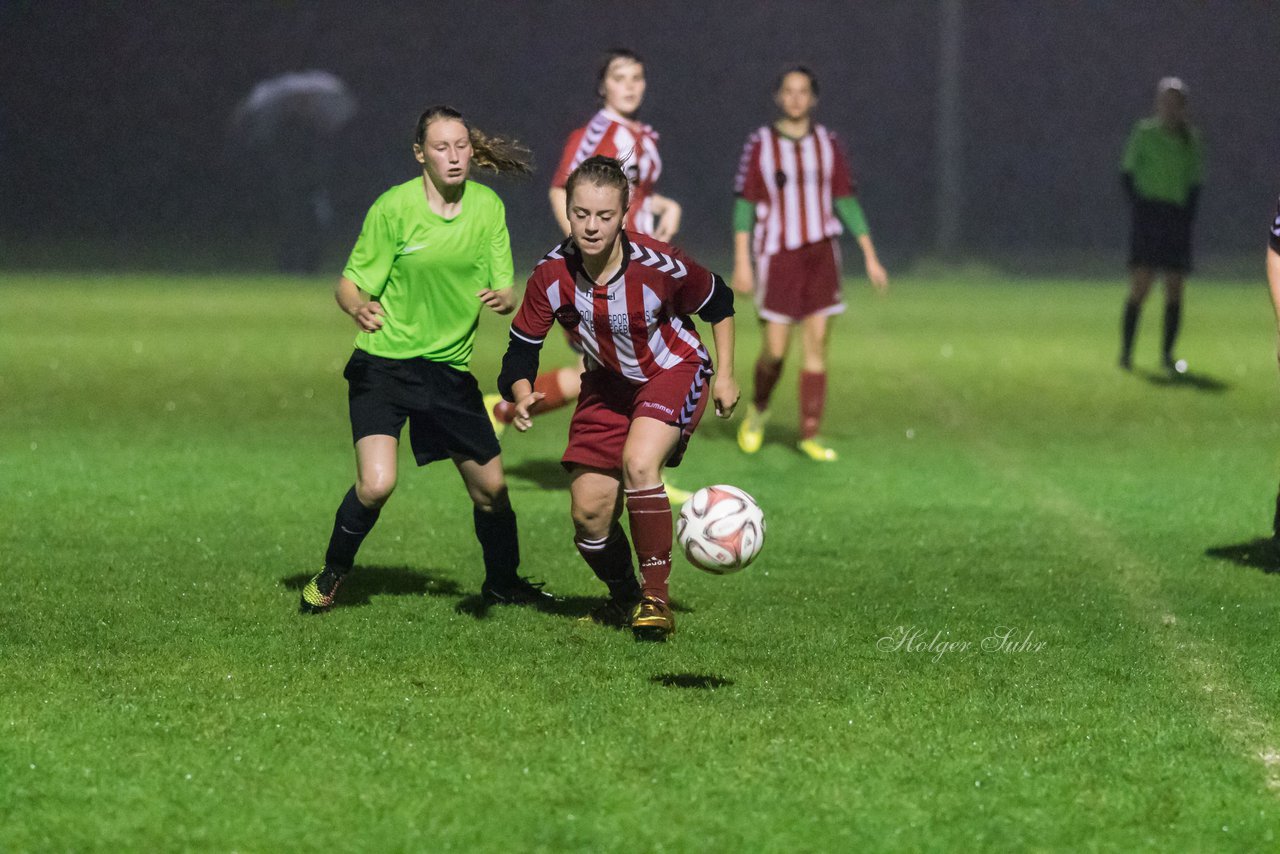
{"type": "Point", "coordinates": [431, 253]}
{"type": "Point", "coordinates": [1161, 173]}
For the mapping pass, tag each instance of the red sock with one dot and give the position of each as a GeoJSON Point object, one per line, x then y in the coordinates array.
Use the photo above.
{"type": "Point", "coordinates": [549, 385]}
{"type": "Point", "coordinates": [813, 398]}
{"type": "Point", "coordinates": [767, 373]}
{"type": "Point", "coordinates": [649, 511]}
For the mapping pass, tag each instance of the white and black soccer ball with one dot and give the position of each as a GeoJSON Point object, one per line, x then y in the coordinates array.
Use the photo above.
{"type": "Point", "coordinates": [720, 529]}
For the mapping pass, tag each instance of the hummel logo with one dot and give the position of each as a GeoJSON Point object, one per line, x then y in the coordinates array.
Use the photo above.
{"type": "Point", "coordinates": [409, 249]}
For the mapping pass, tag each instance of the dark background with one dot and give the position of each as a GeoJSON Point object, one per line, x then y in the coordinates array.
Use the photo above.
{"type": "Point", "coordinates": [113, 116]}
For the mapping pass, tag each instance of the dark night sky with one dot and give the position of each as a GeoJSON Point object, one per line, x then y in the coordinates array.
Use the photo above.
{"type": "Point", "coordinates": [113, 115]}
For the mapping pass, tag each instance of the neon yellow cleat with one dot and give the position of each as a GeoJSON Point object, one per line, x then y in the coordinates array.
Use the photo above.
{"type": "Point", "coordinates": [491, 402]}
{"type": "Point", "coordinates": [652, 620]}
{"type": "Point", "coordinates": [815, 450]}
{"type": "Point", "coordinates": [751, 432]}
{"type": "Point", "coordinates": [675, 494]}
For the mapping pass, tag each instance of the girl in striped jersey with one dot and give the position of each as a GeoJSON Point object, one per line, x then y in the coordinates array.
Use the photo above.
{"type": "Point", "coordinates": [613, 132]}
{"type": "Point", "coordinates": [627, 298]}
{"type": "Point", "coordinates": [794, 190]}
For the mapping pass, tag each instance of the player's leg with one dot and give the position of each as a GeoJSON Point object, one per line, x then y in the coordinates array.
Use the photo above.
{"type": "Point", "coordinates": [596, 506]}
{"type": "Point", "coordinates": [357, 513]}
{"type": "Point", "coordinates": [1174, 282]}
{"type": "Point", "coordinates": [813, 386]}
{"type": "Point", "coordinates": [495, 526]}
{"type": "Point", "coordinates": [775, 338]}
{"type": "Point", "coordinates": [650, 443]}
{"type": "Point", "coordinates": [1140, 279]}
{"type": "Point", "coordinates": [559, 388]}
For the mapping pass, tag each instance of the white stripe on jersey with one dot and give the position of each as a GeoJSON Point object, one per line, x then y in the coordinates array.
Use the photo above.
{"type": "Point", "coordinates": [790, 196]}
{"type": "Point", "coordinates": [768, 214]}
{"type": "Point", "coordinates": [810, 171]}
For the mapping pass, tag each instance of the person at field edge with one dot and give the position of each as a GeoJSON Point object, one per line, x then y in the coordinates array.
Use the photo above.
{"type": "Point", "coordinates": [432, 252]}
{"type": "Point", "coordinates": [1273, 282]}
{"type": "Point", "coordinates": [794, 189]}
{"type": "Point", "coordinates": [1161, 174]}
{"type": "Point", "coordinates": [627, 297]}
{"type": "Point", "coordinates": [614, 132]}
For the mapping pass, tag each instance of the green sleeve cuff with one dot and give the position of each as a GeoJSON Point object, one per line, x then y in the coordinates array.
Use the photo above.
{"type": "Point", "coordinates": [744, 215]}
{"type": "Point", "coordinates": [849, 210]}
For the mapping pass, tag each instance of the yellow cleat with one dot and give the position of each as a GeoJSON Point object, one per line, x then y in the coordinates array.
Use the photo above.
{"type": "Point", "coordinates": [815, 450]}
{"type": "Point", "coordinates": [491, 402]}
{"type": "Point", "coordinates": [751, 431]}
{"type": "Point", "coordinates": [675, 494]}
{"type": "Point", "coordinates": [651, 619]}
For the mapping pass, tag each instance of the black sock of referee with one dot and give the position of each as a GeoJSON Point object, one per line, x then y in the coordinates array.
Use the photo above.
{"type": "Point", "coordinates": [1129, 328]}
{"type": "Point", "coordinates": [351, 525]}
{"type": "Point", "coordinates": [496, 531]}
{"type": "Point", "coordinates": [1172, 322]}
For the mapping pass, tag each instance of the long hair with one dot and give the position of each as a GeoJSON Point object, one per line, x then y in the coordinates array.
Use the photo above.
{"type": "Point", "coordinates": [603, 172]}
{"type": "Point", "coordinates": [497, 153]}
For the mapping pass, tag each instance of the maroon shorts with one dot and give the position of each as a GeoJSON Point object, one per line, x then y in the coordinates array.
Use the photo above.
{"type": "Point", "coordinates": [795, 283]}
{"type": "Point", "coordinates": [609, 403]}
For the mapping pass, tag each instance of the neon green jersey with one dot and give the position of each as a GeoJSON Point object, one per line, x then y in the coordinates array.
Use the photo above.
{"type": "Point", "coordinates": [425, 271]}
{"type": "Point", "coordinates": [1165, 164]}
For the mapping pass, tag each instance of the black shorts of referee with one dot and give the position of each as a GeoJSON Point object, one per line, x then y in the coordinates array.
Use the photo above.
{"type": "Point", "coordinates": [1161, 236]}
{"type": "Point", "coordinates": [443, 405]}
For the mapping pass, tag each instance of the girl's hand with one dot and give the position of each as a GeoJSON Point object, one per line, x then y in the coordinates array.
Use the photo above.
{"type": "Point", "coordinates": [369, 316]}
{"type": "Point", "coordinates": [501, 301]}
{"type": "Point", "coordinates": [668, 221]}
{"type": "Point", "coordinates": [524, 420]}
{"type": "Point", "coordinates": [879, 278]}
{"type": "Point", "coordinates": [724, 391]}
{"type": "Point", "coordinates": [744, 280]}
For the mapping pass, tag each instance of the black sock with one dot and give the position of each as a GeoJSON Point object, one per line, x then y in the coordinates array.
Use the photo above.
{"type": "Point", "coordinates": [1275, 524]}
{"type": "Point", "coordinates": [611, 562]}
{"type": "Point", "coordinates": [496, 531]}
{"type": "Point", "coordinates": [1129, 328]}
{"type": "Point", "coordinates": [1172, 321]}
{"type": "Point", "coordinates": [351, 524]}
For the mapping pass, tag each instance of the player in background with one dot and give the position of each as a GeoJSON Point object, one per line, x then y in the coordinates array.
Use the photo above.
{"type": "Point", "coordinates": [1273, 281]}
{"type": "Point", "coordinates": [614, 132]}
{"type": "Point", "coordinates": [627, 297]}
{"type": "Point", "coordinates": [1161, 176]}
{"type": "Point", "coordinates": [794, 189]}
{"type": "Point", "coordinates": [433, 251]}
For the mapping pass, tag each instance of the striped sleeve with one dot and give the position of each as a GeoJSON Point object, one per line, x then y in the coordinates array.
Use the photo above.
{"type": "Point", "coordinates": [534, 319]}
{"type": "Point", "coordinates": [749, 184]}
{"type": "Point", "coordinates": [567, 158]}
{"type": "Point", "coordinates": [842, 180]}
{"type": "Point", "coordinates": [1275, 229]}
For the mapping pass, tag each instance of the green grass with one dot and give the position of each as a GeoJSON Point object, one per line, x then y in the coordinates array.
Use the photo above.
{"type": "Point", "coordinates": [172, 451]}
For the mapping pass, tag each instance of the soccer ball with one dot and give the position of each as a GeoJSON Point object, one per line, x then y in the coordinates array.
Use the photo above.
{"type": "Point", "coordinates": [721, 529]}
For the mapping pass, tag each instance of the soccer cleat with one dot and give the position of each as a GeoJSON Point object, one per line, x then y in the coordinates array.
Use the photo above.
{"type": "Point", "coordinates": [751, 431]}
{"type": "Point", "coordinates": [491, 404]}
{"type": "Point", "coordinates": [520, 591]}
{"type": "Point", "coordinates": [613, 613]}
{"type": "Point", "coordinates": [652, 620]}
{"type": "Point", "coordinates": [675, 494]}
{"type": "Point", "coordinates": [815, 450]}
{"type": "Point", "coordinates": [317, 596]}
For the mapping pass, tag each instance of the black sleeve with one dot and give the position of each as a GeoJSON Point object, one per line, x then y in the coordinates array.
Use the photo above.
{"type": "Point", "coordinates": [720, 304]}
{"type": "Point", "coordinates": [519, 363]}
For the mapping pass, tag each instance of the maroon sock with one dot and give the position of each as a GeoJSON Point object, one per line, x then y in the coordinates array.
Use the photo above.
{"type": "Point", "coordinates": [504, 412]}
{"type": "Point", "coordinates": [549, 385]}
{"type": "Point", "coordinates": [767, 373]}
{"type": "Point", "coordinates": [813, 398]}
{"type": "Point", "coordinates": [649, 511]}
{"type": "Point", "coordinates": [610, 560]}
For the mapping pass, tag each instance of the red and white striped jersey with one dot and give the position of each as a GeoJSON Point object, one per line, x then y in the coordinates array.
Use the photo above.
{"type": "Point", "coordinates": [792, 183]}
{"type": "Point", "coordinates": [636, 324]}
{"type": "Point", "coordinates": [633, 143]}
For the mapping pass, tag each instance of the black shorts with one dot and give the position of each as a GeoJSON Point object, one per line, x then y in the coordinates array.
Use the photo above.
{"type": "Point", "coordinates": [443, 405]}
{"type": "Point", "coordinates": [1161, 237]}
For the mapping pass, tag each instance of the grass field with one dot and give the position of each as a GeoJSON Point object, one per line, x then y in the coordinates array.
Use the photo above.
{"type": "Point", "coordinates": [172, 451]}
